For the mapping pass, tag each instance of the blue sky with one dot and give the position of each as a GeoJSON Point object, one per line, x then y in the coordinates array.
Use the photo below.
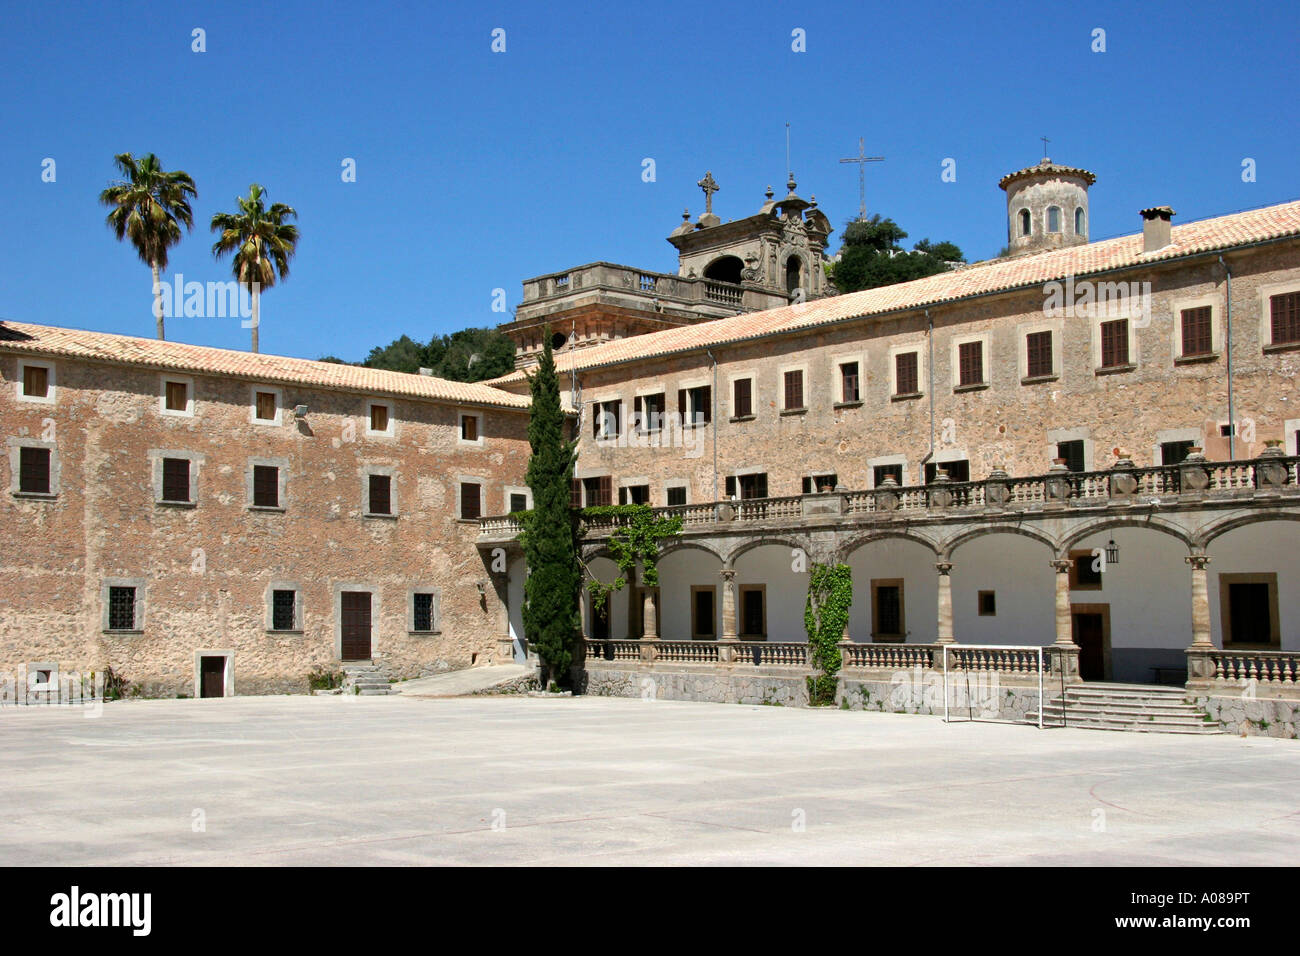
{"type": "Point", "coordinates": [477, 169]}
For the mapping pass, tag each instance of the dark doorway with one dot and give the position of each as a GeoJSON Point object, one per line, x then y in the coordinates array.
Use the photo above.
{"type": "Point", "coordinates": [752, 623]}
{"type": "Point", "coordinates": [793, 267]}
{"type": "Point", "coordinates": [1090, 635]}
{"type": "Point", "coordinates": [356, 625]}
{"type": "Point", "coordinates": [600, 621]}
{"type": "Point", "coordinates": [957, 470]}
{"type": "Point", "coordinates": [1249, 613]}
{"type": "Point", "coordinates": [212, 677]}
{"type": "Point", "coordinates": [726, 269]}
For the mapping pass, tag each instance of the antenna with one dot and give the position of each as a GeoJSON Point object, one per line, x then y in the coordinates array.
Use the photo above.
{"type": "Point", "coordinates": [787, 148]}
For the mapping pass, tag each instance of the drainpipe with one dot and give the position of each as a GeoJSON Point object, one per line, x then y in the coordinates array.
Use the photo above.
{"type": "Point", "coordinates": [929, 387]}
{"type": "Point", "coordinates": [1227, 348]}
{"type": "Point", "coordinates": [714, 416]}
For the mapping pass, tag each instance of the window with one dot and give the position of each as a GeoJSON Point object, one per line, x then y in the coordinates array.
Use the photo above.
{"type": "Point", "coordinates": [957, 470]}
{"type": "Point", "coordinates": [742, 398]}
{"type": "Point", "coordinates": [266, 486]}
{"type": "Point", "coordinates": [121, 609]}
{"type": "Point", "coordinates": [887, 622]}
{"type": "Point", "coordinates": [266, 407]}
{"type": "Point", "coordinates": [469, 425]}
{"type": "Point", "coordinates": [1284, 318]}
{"type": "Point", "coordinates": [1079, 224]}
{"type": "Point", "coordinates": [1072, 452]}
{"type": "Point", "coordinates": [988, 604]}
{"type": "Point", "coordinates": [1039, 359]}
{"type": "Point", "coordinates": [648, 412]}
{"type": "Point", "coordinates": [607, 422]}
{"type": "Point", "coordinates": [1024, 222]}
{"type": "Point", "coordinates": [677, 495]}
{"type": "Point", "coordinates": [880, 472]}
{"type": "Point", "coordinates": [970, 362]}
{"type": "Point", "coordinates": [1248, 609]}
{"type": "Point", "coordinates": [1053, 218]}
{"type": "Point", "coordinates": [850, 383]}
{"type": "Point", "coordinates": [1085, 571]}
{"type": "Point", "coordinates": [598, 491]}
{"type": "Point", "coordinates": [471, 500]}
{"type": "Point", "coordinates": [575, 494]}
{"type": "Point", "coordinates": [1175, 452]}
{"type": "Point", "coordinates": [819, 483]}
{"type": "Point", "coordinates": [379, 418]}
{"type": "Point", "coordinates": [749, 486]}
{"type": "Point", "coordinates": [695, 405]}
{"type": "Point", "coordinates": [753, 612]}
{"type": "Point", "coordinates": [34, 471]}
{"type": "Point", "coordinates": [1114, 343]}
{"type": "Point", "coordinates": [284, 610]}
{"type": "Point", "coordinates": [518, 502]}
{"type": "Point", "coordinates": [1197, 335]}
{"type": "Point", "coordinates": [907, 380]}
{"type": "Point", "coordinates": [703, 613]}
{"type": "Point", "coordinates": [36, 381]}
{"type": "Point", "coordinates": [422, 612]}
{"type": "Point", "coordinates": [176, 480]}
{"type": "Point", "coordinates": [381, 494]}
{"type": "Point", "coordinates": [634, 495]}
{"type": "Point", "coordinates": [793, 381]}
{"type": "Point", "coordinates": [176, 396]}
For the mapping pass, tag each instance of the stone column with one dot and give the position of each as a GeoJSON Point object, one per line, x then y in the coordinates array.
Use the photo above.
{"type": "Point", "coordinates": [650, 630]}
{"type": "Point", "coordinates": [505, 643]}
{"type": "Point", "coordinates": [945, 603]}
{"type": "Point", "coordinates": [1064, 651]}
{"type": "Point", "coordinates": [729, 623]}
{"type": "Point", "coordinates": [1200, 666]}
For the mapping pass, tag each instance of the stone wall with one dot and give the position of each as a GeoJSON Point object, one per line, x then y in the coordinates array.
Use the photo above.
{"type": "Point", "coordinates": [1253, 717]}
{"type": "Point", "coordinates": [206, 569]}
{"type": "Point", "coordinates": [779, 688]}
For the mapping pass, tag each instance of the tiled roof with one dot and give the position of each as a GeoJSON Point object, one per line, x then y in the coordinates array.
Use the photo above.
{"type": "Point", "coordinates": [999, 275]}
{"type": "Point", "coordinates": [200, 359]}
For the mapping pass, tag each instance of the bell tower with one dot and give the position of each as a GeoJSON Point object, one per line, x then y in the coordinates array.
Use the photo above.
{"type": "Point", "coordinates": [1047, 207]}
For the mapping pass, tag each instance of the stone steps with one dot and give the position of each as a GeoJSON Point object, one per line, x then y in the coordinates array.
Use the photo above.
{"type": "Point", "coordinates": [365, 679]}
{"type": "Point", "coordinates": [1133, 708]}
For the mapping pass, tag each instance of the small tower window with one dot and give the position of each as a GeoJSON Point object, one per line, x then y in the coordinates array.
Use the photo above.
{"type": "Point", "coordinates": [1024, 222]}
{"type": "Point", "coordinates": [1053, 218]}
{"type": "Point", "coordinates": [1078, 221]}
{"type": "Point", "coordinates": [793, 266]}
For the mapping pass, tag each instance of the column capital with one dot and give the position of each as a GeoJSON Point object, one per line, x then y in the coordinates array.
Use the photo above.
{"type": "Point", "coordinates": [1197, 561]}
{"type": "Point", "coordinates": [1061, 566]}
{"type": "Point", "coordinates": [728, 574]}
{"type": "Point", "coordinates": [943, 567]}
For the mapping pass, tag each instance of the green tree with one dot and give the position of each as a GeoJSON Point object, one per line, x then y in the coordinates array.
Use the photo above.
{"type": "Point", "coordinates": [262, 243]}
{"type": "Point", "coordinates": [550, 537]}
{"type": "Point", "coordinates": [470, 355]}
{"type": "Point", "coordinates": [825, 615]}
{"type": "Point", "coordinates": [872, 256]}
{"type": "Point", "coordinates": [149, 205]}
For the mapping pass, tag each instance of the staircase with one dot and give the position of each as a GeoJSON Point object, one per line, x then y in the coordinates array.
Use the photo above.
{"type": "Point", "coordinates": [1132, 707]}
{"type": "Point", "coordinates": [367, 679]}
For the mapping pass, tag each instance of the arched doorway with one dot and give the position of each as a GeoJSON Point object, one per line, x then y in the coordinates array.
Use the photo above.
{"type": "Point", "coordinates": [793, 274]}
{"type": "Point", "coordinates": [724, 269]}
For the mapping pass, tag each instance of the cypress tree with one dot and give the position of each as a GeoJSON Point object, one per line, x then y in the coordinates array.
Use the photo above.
{"type": "Point", "coordinates": [550, 538]}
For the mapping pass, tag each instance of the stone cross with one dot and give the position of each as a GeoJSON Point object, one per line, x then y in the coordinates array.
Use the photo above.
{"type": "Point", "coordinates": [710, 187]}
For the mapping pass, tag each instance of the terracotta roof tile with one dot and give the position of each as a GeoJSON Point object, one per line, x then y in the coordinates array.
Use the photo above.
{"type": "Point", "coordinates": [104, 347]}
{"type": "Point", "coordinates": [998, 275]}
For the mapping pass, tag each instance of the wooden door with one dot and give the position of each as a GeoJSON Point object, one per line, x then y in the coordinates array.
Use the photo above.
{"type": "Point", "coordinates": [1090, 635]}
{"type": "Point", "coordinates": [356, 626]}
{"type": "Point", "coordinates": [212, 677]}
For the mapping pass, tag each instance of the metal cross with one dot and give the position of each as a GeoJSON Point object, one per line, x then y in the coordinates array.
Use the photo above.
{"type": "Point", "coordinates": [1045, 142]}
{"type": "Point", "coordinates": [710, 187]}
{"type": "Point", "coordinates": [862, 159]}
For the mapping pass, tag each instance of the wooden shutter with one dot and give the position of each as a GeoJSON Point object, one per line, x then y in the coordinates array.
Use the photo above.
{"type": "Point", "coordinates": [471, 500]}
{"type": "Point", "coordinates": [704, 406]}
{"type": "Point", "coordinates": [355, 625]}
{"type": "Point", "coordinates": [970, 356]}
{"type": "Point", "coordinates": [575, 494]}
{"type": "Point", "coordinates": [176, 479]}
{"type": "Point", "coordinates": [849, 389]}
{"type": "Point", "coordinates": [381, 495]}
{"type": "Point", "coordinates": [793, 390]}
{"type": "Point", "coordinates": [681, 405]}
{"type": "Point", "coordinates": [34, 470]}
{"type": "Point", "coordinates": [1039, 345]}
{"type": "Point", "coordinates": [743, 398]}
{"type": "Point", "coordinates": [266, 486]}
{"type": "Point", "coordinates": [177, 396]}
{"type": "Point", "coordinates": [638, 414]}
{"type": "Point", "coordinates": [1197, 337]}
{"type": "Point", "coordinates": [379, 418]}
{"type": "Point", "coordinates": [622, 495]}
{"type": "Point", "coordinates": [266, 406]}
{"type": "Point", "coordinates": [605, 492]}
{"type": "Point", "coordinates": [906, 373]}
{"type": "Point", "coordinates": [469, 427]}
{"type": "Point", "coordinates": [1285, 318]}
{"type": "Point", "coordinates": [36, 381]}
{"type": "Point", "coordinates": [731, 486]}
{"type": "Point", "coordinates": [1114, 343]}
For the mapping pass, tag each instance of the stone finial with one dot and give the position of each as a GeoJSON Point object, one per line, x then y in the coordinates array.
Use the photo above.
{"type": "Point", "coordinates": [791, 184]}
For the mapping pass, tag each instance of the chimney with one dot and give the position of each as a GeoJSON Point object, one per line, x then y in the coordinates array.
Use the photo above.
{"type": "Point", "coordinates": [1156, 228]}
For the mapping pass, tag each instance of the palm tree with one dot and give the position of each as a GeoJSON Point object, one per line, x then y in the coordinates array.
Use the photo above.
{"type": "Point", "coordinates": [149, 205]}
{"type": "Point", "coordinates": [263, 244]}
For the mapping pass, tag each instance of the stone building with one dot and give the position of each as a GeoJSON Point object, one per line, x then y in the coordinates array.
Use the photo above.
{"type": "Point", "coordinates": [212, 522]}
{"type": "Point", "coordinates": [976, 446]}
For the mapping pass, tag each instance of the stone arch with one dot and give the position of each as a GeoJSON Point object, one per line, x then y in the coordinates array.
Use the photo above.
{"type": "Point", "coordinates": [1080, 222]}
{"type": "Point", "coordinates": [945, 549]}
{"type": "Point", "coordinates": [689, 545]}
{"type": "Point", "coordinates": [724, 269]}
{"type": "Point", "coordinates": [750, 544]}
{"type": "Point", "coordinates": [1026, 226]}
{"type": "Point", "coordinates": [1101, 524]}
{"type": "Point", "coordinates": [1054, 223]}
{"type": "Point", "coordinates": [793, 274]}
{"type": "Point", "coordinates": [846, 549]}
{"type": "Point", "coordinates": [1203, 537]}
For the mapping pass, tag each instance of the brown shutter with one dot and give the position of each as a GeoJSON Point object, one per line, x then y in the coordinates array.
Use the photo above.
{"type": "Point", "coordinates": [970, 357]}
{"type": "Point", "coordinates": [34, 470]}
{"type": "Point", "coordinates": [793, 390]}
{"type": "Point", "coordinates": [471, 500]}
{"type": "Point", "coordinates": [176, 479]}
{"type": "Point", "coordinates": [1285, 318]}
{"type": "Point", "coordinates": [906, 373]}
{"type": "Point", "coordinates": [381, 495]}
{"type": "Point", "coordinates": [1197, 338]}
{"type": "Point", "coordinates": [266, 406]}
{"type": "Point", "coordinates": [575, 494]}
{"type": "Point", "coordinates": [1114, 343]}
{"type": "Point", "coordinates": [36, 381]}
{"type": "Point", "coordinates": [743, 398]}
{"type": "Point", "coordinates": [605, 492]}
{"type": "Point", "coordinates": [177, 399]}
{"type": "Point", "coordinates": [266, 486]}
{"type": "Point", "coordinates": [1039, 345]}
{"type": "Point", "coordinates": [681, 405]}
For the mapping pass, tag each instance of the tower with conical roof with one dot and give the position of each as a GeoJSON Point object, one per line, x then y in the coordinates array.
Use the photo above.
{"type": "Point", "coordinates": [1047, 207]}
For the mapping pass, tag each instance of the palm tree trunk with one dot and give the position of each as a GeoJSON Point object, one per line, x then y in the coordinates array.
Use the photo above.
{"type": "Point", "coordinates": [157, 299]}
{"type": "Point", "coordinates": [257, 301]}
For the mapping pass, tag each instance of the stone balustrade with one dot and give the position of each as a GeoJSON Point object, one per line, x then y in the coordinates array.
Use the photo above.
{"type": "Point", "coordinates": [1195, 479]}
{"type": "Point", "coordinates": [1244, 673]}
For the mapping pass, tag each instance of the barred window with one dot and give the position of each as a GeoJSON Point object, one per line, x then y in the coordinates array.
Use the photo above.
{"type": "Point", "coordinates": [1196, 331]}
{"type": "Point", "coordinates": [34, 471]}
{"type": "Point", "coordinates": [422, 612]}
{"type": "Point", "coordinates": [381, 494]}
{"type": "Point", "coordinates": [1285, 315]}
{"type": "Point", "coordinates": [266, 486]}
{"type": "Point", "coordinates": [176, 479]}
{"type": "Point", "coordinates": [283, 610]}
{"type": "Point", "coordinates": [121, 608]}
{"type": "Point", "coordinates": [1039, 346]}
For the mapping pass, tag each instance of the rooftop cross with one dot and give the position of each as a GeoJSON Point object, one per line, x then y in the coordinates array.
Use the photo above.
{"type": "Point", "coordinates": [862, 159]}
{"type": "Point", "coordinates": [1045, 142]}
{"type": "Point", "coordinates": [710, 187]}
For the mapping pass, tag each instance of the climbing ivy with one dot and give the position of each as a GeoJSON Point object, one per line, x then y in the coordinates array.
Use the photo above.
{"type": "Point", "coordinates": [636, 538]}
{"type": "Point", "coordinates": [825, 615]}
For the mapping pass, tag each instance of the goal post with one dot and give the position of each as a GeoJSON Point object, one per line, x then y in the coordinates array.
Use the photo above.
{"type": "Point", "coordinates": [952, 674]}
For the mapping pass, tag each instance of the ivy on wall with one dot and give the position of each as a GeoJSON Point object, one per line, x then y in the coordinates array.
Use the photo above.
{"type": "Point", "coordinates": [636, 539]}
{"type": "Point", "coordinates": [825, 615]}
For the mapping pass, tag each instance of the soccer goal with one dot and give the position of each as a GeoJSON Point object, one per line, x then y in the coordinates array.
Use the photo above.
{"type": "Point", "coordinates": [972, 680]}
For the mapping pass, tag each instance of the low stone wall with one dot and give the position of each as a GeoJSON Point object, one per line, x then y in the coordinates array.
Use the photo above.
{"type": "Point", "coordinates": [1252, 716]}
{"type": "Point", "coordinates": [921, 692]}
{"type": "Point", "coordinates": [779, 687]}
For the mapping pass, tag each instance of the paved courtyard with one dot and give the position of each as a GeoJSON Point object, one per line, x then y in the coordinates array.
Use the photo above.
{"type": "Point", "coordinates": [517, 780]}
